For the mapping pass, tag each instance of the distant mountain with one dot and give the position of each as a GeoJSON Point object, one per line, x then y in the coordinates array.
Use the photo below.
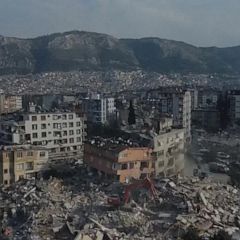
{"type": "Point", "coordinates": [93, 51]}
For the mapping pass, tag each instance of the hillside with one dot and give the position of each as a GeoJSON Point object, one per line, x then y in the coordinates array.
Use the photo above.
{"type": "Point", "coordinates": [93, 51]}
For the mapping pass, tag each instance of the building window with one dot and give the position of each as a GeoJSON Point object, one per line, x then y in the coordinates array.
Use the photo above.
{"type": "Point", "coordinates": [55, 117]}
{"type": "Point", "coordinates": [44, 134]}
{"type": "Point", "coordinates": [71, 140]}
{"type": "Point", "coordinates": [71, 124]}
{"type": "Point", "coordinates": [71, 132]}
{"type": "Point", "coordinates": [5, 182]}
{"type": "Point", "coordinates": [131, 165]}
{"type": "Point", "coordinates": [29, 153]}
{"type": "Point", "coordinates": [29, 166]}
{"type": "Point", "coordinates": [42, 154]}
{"type": "Point", "coordinates": [34, 118]}
{"type": "Point", "coordinates": [43, 117]}
{"type": "Point", "coordinates": [79, 139]}
{"type": "Point", "coordinates": [34, 127]}
{"type": "Point", "coordinates": [160, 164]}
{"type": "Point", "coordinates": [20, 166]}
{"type": "Point", "coordinates": [78, 131]}
{"type": "Point", "coordinates": [78, 124]}
{"type": "Point", "coordinates": [65, 133]}
{"type": "Point", "coordinates": [64, 141]}
{"type": "Point", "coordinates": [64, 117]}
{"type": "Point", "coordinates": [5, 171]}
{"type": "Point", "coordinates": [35, 135]}
{"type": "Point", "coordinates": [144, 165]}
{"type": "Point", "coordinates": [124, 155]}
{"type": "Point", "coordinates": [43, 126]}
{"type": "Point", "coordinates": [70, 116]}
{"type": "Point", "coordinates": [19, 154]}
{"type": "Point", "coordinates": [57, 125]}
{"type": "Point", "coordinates": [124, 166]}
{"type": "Point", "coordinates": [64, 125]}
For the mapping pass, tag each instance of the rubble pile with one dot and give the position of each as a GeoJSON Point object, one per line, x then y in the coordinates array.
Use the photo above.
{"type": "Point", "coordinates": [211, 206]}
{"type": "Point", "coordinates": [53, 209]}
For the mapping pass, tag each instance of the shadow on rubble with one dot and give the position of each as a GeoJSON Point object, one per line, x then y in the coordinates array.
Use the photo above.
{"type": "Point", "coordinates": [76, 178]}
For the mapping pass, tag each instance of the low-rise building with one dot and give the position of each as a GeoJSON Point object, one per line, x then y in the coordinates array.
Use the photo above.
{"type": "Point", "coordinates": [120, 162]}
{"type": "Point", "coordinates": [21, 162]}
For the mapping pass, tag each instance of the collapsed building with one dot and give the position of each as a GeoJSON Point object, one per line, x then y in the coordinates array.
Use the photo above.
{"type": "Point", "coordinates": [119, 161]}
{"type": "Point", "coordinates": [159, 152]}
{"type": "Point", "coordinates": [76, 208]}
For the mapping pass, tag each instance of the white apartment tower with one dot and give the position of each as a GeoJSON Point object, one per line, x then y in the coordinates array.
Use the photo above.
{"type": "Point", "coordinates": [61, 133]}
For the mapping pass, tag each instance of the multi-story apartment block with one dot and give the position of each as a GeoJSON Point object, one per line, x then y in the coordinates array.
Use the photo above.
{"type": "Point", "coordinates": [21, 162]}
{"type": "Point", "coordinates": [96, 110]}
{"type": "Point", "coordinates": [194, 98]}
{"type": "Point", "coordinates": [99, 110]}
{"type": "Point", "coordinates": [234, 105]}
{"type": "Point", "coordinates": [61, 133]}
{"type": "Point", "coordinates": [208, 98]}
{"type": "Point", "coordinates": [169, 149]}
{"type": "Point", "coordinates": [174, 101]}
{"type": "Point", "coordinates": [120, 162]}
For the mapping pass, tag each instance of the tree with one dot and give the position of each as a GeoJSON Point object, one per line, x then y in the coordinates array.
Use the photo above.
{"type": "Point", "coordinates": [131, 115]}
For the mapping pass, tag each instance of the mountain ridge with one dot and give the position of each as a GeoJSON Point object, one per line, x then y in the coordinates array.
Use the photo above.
{"type": "Point", "coordinates": [82, 50]}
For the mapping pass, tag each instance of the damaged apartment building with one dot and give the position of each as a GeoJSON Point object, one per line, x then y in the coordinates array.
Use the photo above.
{"type": "Point", "coordinates": [169, 149]}
{"type": "Point", "coordinates": [174, 101]}
{"type": "Point", "coordinates": [118, 159]}
{"type": "Point", "coordinates": [160, 153]}
{"type": "Point", "coordinates": [21, 162]}
{"type": "Point", "coordinates": [61, 133]}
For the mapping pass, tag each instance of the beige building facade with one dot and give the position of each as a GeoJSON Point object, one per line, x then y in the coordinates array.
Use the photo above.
{"type": "Point", "coordinates": [21, 162]}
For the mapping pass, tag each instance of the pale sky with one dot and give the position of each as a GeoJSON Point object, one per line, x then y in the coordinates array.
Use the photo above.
{"type": "Point", "coordinates": [199, 22]}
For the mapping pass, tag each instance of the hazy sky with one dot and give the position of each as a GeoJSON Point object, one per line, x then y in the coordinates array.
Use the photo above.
{"type": "Point", "coordinates": [200, 22]}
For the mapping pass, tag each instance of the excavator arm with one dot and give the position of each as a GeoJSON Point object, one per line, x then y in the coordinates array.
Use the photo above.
{"type": "Point", "coordinates": [146, 184]}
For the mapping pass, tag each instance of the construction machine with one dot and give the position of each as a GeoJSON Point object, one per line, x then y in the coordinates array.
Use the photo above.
{"type": "Point", "coordinates": [121, 199]}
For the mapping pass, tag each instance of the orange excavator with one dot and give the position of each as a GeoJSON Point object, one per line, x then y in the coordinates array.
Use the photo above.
{"type": "Point", "coordinates": [119, 200]}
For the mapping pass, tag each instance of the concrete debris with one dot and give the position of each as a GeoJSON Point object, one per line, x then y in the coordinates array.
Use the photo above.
{"type": "Point", "coordinates": [77, 209]}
